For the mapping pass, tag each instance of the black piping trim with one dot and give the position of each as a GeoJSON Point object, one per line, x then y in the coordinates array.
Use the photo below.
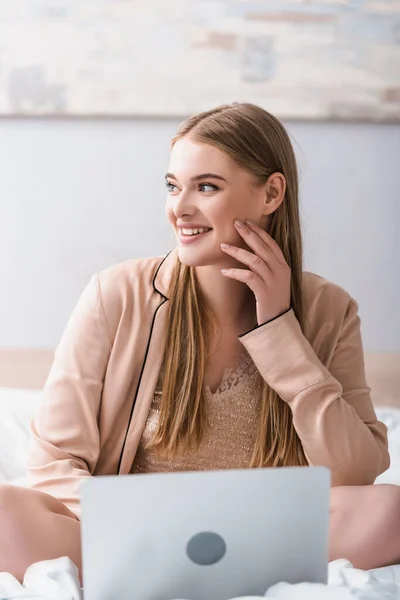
{"type": "Point", "coordinates": [266, 322]}
{"type": "Point", "coordinates": [156, 273]}
{"type": "Point", "coordinates": [144, 361]}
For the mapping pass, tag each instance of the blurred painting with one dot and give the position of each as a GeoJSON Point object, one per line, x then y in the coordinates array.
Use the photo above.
{"type": "Point", "coordinates": [300, 59]}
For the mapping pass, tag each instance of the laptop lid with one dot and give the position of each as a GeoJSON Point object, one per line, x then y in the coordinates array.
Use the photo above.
{"type": "Point", "coordinates": [204, 535]}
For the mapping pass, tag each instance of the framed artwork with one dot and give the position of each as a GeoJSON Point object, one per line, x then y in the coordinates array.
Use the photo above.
{"type": "Point", "coordinates": [300, 59]}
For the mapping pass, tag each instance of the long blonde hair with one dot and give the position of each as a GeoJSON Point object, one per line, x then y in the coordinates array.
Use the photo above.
{"type": "Point", "coordinates": [256, 141]}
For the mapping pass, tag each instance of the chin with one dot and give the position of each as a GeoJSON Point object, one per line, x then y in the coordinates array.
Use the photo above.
{"type": "Point", "coordinates": [192, 257]}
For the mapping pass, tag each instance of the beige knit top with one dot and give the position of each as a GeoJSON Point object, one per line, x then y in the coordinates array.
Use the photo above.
{"type": "Point", "coordinates": [233, 411]}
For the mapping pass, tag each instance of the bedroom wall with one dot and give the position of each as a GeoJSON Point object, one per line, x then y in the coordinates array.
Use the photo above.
{"type": "Point", "coordinates": [77, 196]}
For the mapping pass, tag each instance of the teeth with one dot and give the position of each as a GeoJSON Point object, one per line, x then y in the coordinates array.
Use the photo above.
{"type": "Point", "coordinates": [193, 231]}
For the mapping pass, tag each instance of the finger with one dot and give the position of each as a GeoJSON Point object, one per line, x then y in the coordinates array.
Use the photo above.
{"type": "Point", "coordinates": [253, 261]}
{"type": "Point", "coordinates": [267, 239]}
{"type": "Point", "coordinates": [254, 282]}
{"type": "Point", "coordinates": [254, 241]}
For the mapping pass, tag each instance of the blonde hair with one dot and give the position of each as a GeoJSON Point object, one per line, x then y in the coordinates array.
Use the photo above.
{"type": "Point", "coordinates": [256, 141]}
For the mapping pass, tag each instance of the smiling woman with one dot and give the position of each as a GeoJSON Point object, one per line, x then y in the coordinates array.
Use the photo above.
{"type": "Point", "coordinates": [223, 354]}
{"type": "Point", "coordinates": [224, 170]}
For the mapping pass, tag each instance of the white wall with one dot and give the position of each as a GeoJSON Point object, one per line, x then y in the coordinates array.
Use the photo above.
{"type": "Point", "coordinates": [76, 196]}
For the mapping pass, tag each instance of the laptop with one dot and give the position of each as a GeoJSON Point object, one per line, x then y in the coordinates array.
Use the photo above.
{"type": "Point", "coordinates": [204, 535]}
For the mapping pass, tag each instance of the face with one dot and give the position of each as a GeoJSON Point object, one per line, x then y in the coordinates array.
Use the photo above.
{"type": "Point", "coordinates": [207, 191]}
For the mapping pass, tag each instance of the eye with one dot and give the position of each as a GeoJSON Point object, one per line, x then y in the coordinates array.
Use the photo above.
{"type": "Point", "coordinates": [170, 186]}
{"type": "Point", "coordinates": [208, 187]}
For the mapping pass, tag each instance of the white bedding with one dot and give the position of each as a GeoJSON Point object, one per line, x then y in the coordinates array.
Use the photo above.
{"type": "Point", "coordinates": [17, 407]}
{"type": "Point", "coordinates": [57, 579]}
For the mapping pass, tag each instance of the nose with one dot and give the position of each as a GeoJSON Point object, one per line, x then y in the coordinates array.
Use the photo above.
{"type": "Point", "coordinates": [182, 205]}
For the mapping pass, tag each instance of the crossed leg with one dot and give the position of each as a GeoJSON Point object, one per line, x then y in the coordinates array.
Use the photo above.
{"type": "Point", "coordinates": [33, 527]}
{"type": "Point", "coordinates": [365, 525]}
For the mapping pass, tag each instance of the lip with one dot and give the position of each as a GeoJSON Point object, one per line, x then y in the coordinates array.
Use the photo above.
{"type": "Point", "coordinates": [191, 239]}
{"type": "Point", "coordinates": [192, 226]}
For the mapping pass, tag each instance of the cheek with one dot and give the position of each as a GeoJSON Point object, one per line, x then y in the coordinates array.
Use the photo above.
{"type": "Point", "coordinates": [224, 214]}
{"type": "Point", "coordinates": [224, 229]}
{"type": "Point", "coordinates": [237, 206]}
{"type": "Point", "coordinates": [169, 212]}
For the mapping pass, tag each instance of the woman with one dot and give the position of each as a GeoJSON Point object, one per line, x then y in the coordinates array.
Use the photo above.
{"type": "Point", "coordinates": [223, 354]}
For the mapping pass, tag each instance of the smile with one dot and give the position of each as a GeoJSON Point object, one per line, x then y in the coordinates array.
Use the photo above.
{"type": "Point", "coordinates": [188, 236]}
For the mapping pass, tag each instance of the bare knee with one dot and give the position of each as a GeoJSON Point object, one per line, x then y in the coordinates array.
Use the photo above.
{"type": "Point", "coordinates": [381, 499]}
{"type": "Point", "coordinates": [388, 501]}
{"type": "Point", "coordinates": [9, 497]}
{"type": "Point", "coordinates": [34, 527]}
{"type": "Point", "coordinates": [371, 496]}
{"type": "Point", "coordinates": [389, 494]}
{"type": "Point", "coordinates": [365, 524]}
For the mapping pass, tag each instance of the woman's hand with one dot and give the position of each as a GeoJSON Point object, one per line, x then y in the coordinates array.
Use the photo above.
{"type": "Point", "coordinates": [269, 274]}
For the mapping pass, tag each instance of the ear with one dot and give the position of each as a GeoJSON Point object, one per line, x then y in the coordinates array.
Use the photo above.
{"type": "Point", "coordinates": [275, 189]}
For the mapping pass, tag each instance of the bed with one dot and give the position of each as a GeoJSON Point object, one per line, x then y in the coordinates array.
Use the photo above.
{"type": "Point", "coordinates": [22, 375]}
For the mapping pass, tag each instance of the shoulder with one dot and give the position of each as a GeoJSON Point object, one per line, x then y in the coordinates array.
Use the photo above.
{"type": "Point", "coordinates": [321, 293]}
{"type": "Point", "coordinates": [129, 273]}
{"type": "Point", "coordinates": [127, 284]}
{"type": "Point", "coordinates": [325, 306]}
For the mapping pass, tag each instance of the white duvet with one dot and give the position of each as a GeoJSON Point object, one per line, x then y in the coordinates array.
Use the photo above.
{"type": "Point", "coordinates": [57, 579]}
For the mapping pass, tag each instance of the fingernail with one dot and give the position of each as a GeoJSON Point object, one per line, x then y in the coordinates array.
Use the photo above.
{"type": "Point", "coordinates": [239, 223]}
{"type": "Point", "coordinates": [249, 223]}
{"type": "Point", "coordinates": [224, 271]}
{"type": "Point", "coordinates": [225, 246]}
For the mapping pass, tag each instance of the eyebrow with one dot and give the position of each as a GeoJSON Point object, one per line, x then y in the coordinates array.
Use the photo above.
{"type": "Point", "coordinates": [198, 177]}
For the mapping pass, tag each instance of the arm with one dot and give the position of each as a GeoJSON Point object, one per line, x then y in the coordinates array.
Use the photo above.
{"type": "Point", "coordinates": [332, 409]}
{"type": "Point", "coordinates": [65, 443]}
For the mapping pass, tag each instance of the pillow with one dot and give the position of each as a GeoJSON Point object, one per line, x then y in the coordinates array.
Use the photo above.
{"type": "Point", "coordinates": [17, 407]}
{"type": "Point", "coordinates": [391, 417]}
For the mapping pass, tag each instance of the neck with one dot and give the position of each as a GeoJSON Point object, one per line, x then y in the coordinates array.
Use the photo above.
{"type": "Point", "coordinates": [232, 302]}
